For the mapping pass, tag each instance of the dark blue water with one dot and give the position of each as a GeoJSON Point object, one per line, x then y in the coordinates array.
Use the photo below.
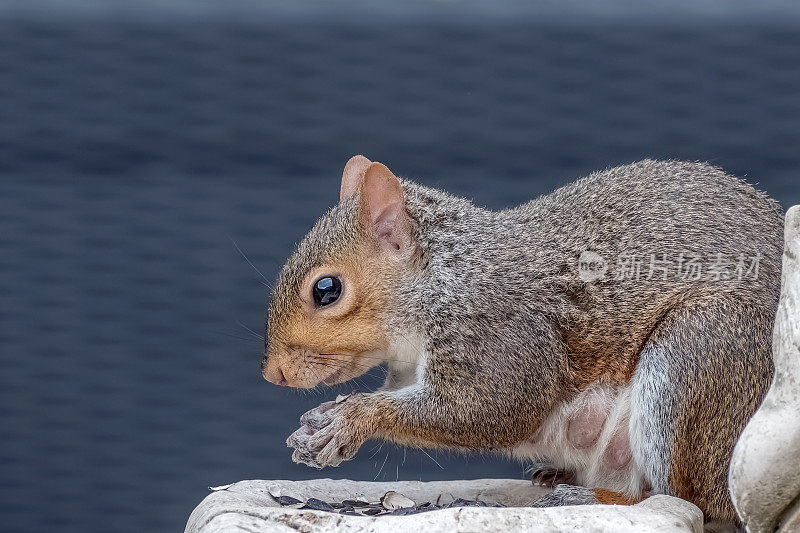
{"type": "Point", "coordinates": [133, 154]}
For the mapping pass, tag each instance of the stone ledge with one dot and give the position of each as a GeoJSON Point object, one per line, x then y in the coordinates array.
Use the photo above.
{"type": "Point", "coordinates": [247, 506]}
{"type": "Point", "coordinates": [764, 476]}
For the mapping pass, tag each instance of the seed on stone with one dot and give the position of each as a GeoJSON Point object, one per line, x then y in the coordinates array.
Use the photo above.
{"type": "Point", "coordinates": [342, 397]}
{"type": "Point", "coordinates": [318, 505]}
{"type": "Point", "coordinates": [404, 511]}
{"type": "Point", "coordinates": [288, 500]}
{"type": "Point", "coordinates": [355, 503]}
{"type": "Point", "coordinates": [461, 502]}
{"type": "Point", "coordinates": [394, 500]}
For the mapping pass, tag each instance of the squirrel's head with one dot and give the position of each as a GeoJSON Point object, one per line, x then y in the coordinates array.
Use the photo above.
{"type": "Point", "coordinates": [326, 317]}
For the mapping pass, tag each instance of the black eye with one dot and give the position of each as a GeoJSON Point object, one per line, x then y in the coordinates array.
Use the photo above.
{"type": "Point", "coordinates": [327, 290]}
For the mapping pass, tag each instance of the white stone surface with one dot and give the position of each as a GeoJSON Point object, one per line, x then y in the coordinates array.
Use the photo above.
{"type": "Point", "coordinates": [248, 507]}
{"type": "Point", "coordinates": [765, 467]}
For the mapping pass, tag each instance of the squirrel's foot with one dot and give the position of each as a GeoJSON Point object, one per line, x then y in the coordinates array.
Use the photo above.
{"type": "Point", "coordinates": [328, 434]}
{"type": "Point", "coordinates": [567, 495]}
{"type": "Point", "coordinates": [573, 495]}
{"type": "Point", "coordinates": [547, 475]}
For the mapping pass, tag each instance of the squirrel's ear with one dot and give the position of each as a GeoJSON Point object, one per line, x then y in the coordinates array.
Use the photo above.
{"type": "Point", "coordinates": [352, 175]}
{"type": "Point", "coordinates": [383, 209]}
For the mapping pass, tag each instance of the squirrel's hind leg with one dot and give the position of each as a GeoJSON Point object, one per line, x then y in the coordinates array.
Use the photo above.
{"type": "Point", "coordinates": [574, 495]}
{"type": "Point", "coordinates": [699, 379]}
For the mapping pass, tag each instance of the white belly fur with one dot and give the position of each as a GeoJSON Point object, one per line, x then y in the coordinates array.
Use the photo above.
{"type": "Point", "coordinates": [589, 464]}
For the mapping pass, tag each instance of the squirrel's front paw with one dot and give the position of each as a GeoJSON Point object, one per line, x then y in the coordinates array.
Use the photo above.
{"type": "Point", "coordinates": [328, 434]}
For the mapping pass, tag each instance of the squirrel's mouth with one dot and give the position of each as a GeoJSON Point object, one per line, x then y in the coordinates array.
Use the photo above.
{"type": "Point", "coordinates": [303, 368]}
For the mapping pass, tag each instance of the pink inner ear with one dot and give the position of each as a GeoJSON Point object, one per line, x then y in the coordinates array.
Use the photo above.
{"type": "Point", "coordinates": [386, 227]}
{"type": "Point", "coordinates": [382, 198]}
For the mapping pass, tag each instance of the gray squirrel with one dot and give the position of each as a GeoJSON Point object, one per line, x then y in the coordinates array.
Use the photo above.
{"type": "Point", "coordinates": [619, 327]}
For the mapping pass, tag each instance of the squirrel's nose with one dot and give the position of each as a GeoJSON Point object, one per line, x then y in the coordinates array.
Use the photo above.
{"type": "Point", "coordinates": [272, 372]}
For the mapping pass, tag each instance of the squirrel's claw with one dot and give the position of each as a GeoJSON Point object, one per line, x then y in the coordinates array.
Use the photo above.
{"type": "Point", "coordinates": [299, 441]}
{"type": "Point", "coordinates": [546, 475]}
{"type": "Point", "coordinates": [302, 457]}
{"type": "Point", "coordinates": [326, 436]}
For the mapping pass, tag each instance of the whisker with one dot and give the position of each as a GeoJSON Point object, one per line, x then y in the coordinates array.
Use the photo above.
{"type": "Point", "coordinates": [252, 332]}
{"type": "Point", "coordinates": [373, 357]}
{"type": "Point", "coordinates": [314, 373]}
{"type": "Point", "coordinates": [339, 365]}
{"type": "Point", "coordinates": [431, 458]}
{"type": "Point", "coordinates": [245, 339]}
{"type": "Point", "coordinates": [384, 464]}
{"type": "Point", "coordinates": [375, 450]}
{"type": "Point", "coordinates": [420, 354]}
{"type": "Point", "coordinates": [266, 281]}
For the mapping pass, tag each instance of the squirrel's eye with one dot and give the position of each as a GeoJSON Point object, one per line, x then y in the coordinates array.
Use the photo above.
{"type": "Point", "coordinates": [327, 290]}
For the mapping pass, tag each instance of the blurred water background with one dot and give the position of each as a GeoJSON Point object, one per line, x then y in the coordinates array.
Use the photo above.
{"type": "Point", "coordinates": [142, 142]}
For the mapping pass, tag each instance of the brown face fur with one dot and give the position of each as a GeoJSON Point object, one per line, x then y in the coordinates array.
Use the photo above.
{"type": "Point", "coordinates": [311, 344]}
{"type": "Point", "coordinates": [330, 344]}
